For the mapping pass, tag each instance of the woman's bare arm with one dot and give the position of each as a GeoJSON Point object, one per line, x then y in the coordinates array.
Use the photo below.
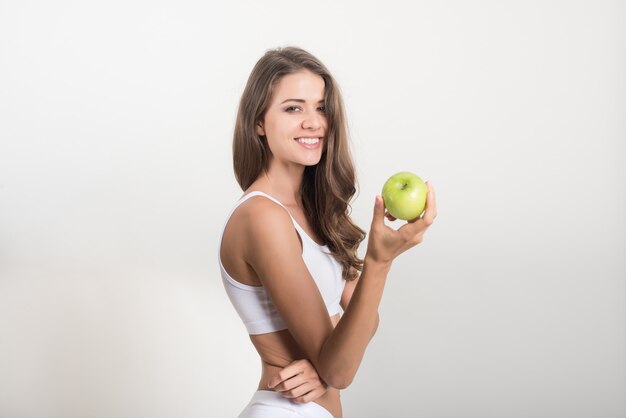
{"type": "Point", "coordinates": [346, 297]}
{"type": "Point", "coordinates": [274, 252]}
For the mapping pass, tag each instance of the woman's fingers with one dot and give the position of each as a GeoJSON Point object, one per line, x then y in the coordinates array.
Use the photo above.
{"type": "Point", "coordinates": [412, 233]}
{"type": "Point", "coordinates": [291, 383]}
{"type": "Point", "coordinates": [299, 381]}
{"type": "Point", "coordinates": [298, 391]}
{"type": "Point", "coordinates": [294, 368]}
{"type": "Point", "coordinates": [390, 216]}
{"type": "Point", "coordinates": [379, 213]}
{"type": "Point", "coordinates": [430, 213]}
{"type": "Point", "coordinates": [310, 396]}
{"type": "Point", "coordinates": [294, 375]}
{"type": "Point", "coordinates": [419, 225]}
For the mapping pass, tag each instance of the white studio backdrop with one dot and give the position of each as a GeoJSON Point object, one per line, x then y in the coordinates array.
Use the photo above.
{"type": "Point", "coordinates": [116, 176]}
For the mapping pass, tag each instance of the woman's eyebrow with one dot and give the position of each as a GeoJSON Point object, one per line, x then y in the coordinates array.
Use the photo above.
{"type": "Point", "coordinates": [299, 101]}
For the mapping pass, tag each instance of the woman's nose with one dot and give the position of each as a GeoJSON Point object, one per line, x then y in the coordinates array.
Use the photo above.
{"type": "Point", "coordinates": [311, 121]}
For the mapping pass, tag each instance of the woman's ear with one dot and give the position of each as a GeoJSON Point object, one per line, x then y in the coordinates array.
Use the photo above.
{"type": "Point", "coordinates": [259, 129]}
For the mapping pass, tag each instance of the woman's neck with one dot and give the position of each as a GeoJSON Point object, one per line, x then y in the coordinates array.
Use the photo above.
{"type": "Point", "coordinates": [284, 183]}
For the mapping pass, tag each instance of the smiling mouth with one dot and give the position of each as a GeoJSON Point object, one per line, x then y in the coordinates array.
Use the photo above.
{"type": "Point", "coordinates": [308, 141]}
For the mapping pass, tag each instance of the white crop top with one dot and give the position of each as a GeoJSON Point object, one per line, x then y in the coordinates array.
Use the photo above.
{"type": "Point", "coordinates": [253, 304]}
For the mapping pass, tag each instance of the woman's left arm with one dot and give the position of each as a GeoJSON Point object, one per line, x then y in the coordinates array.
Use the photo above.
{"type": "Point", "coordinates": [301, 382]}
{"type": "Point", "coordinates": [348, 290]}
{"type": "Point", "coordinates": [346, 296]}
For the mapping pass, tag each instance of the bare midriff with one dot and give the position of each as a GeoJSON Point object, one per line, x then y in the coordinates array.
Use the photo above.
{"type": "Point", "coordinates": [277, 350]}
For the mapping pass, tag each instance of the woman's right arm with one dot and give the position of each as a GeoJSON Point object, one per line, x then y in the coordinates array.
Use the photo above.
{"type": "Point", "coordinates": [274, 252]}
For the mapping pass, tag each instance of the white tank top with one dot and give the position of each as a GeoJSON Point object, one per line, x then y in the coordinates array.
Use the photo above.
{"type": "Point", "coordinates": [253, 304]}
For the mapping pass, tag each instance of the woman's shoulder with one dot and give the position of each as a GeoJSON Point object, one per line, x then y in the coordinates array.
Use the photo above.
{"type": "Point", "coordinates": [268, 229]}
{"type": "Point", "coordinates": [260, 213]}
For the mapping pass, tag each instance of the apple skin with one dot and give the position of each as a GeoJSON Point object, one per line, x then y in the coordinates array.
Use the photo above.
{"type": "Point", "coordinates": [404, 195]}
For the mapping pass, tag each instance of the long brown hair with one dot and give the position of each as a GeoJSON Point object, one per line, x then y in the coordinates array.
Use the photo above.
{"type": "Point", "coordinates": [328, 186]}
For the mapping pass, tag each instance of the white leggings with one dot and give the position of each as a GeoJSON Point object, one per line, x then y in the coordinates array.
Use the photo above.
{"type": "Point", "coordinates": [270, 404]}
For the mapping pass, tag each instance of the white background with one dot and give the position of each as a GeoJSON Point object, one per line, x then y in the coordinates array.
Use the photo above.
{"type": "Point", "coordinates": [116, 176]}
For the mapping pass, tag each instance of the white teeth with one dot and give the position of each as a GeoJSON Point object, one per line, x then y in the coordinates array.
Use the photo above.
{"type": "Point", "coordinates": [308, 140]}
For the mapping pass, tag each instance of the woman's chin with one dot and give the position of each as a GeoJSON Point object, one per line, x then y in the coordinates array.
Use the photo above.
{"type": "Point", "coordinates": [311, 163]}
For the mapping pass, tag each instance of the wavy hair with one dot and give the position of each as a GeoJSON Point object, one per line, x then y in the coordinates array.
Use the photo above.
{"type": "Point", "coordinates": [328, 186]}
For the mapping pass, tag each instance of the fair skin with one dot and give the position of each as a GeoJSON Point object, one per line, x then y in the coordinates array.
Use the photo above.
{"type": "Point", "coordinates": [318, 354]}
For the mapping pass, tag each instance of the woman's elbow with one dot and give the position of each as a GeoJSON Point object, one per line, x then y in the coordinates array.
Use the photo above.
{"type": "Point", "coordinates": [339, 381]}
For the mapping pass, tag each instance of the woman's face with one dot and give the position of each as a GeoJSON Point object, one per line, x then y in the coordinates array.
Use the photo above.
{"type": "Point", "coordinates": [295, 121]}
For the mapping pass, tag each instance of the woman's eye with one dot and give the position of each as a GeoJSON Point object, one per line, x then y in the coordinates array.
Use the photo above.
{"type": "Point", "coordinates": [297, 108]}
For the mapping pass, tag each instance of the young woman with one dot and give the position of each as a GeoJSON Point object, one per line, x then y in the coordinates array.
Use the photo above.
{"type": "Point", "coordinates": [288, 249]}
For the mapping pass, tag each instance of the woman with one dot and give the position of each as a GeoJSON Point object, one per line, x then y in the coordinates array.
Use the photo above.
{"type": "Point", "coordinates": [288, 251]}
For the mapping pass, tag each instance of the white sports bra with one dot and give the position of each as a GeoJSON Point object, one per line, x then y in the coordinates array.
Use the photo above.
{"type": "Point", "coordinates": [253, 304]}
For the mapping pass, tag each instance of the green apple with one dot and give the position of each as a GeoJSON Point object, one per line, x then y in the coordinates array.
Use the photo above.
{"type": "Point", "coordinates": [404, 195]}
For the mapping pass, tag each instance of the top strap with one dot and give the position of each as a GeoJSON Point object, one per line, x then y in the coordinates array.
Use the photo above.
{"type": "Point", "coordinates": [258, 192]}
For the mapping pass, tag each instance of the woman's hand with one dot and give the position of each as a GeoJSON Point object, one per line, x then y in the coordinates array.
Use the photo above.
{"type": "Point", "coordinates": [299, 382]}
{"type": "Point", "coordinates": [386, 243]}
